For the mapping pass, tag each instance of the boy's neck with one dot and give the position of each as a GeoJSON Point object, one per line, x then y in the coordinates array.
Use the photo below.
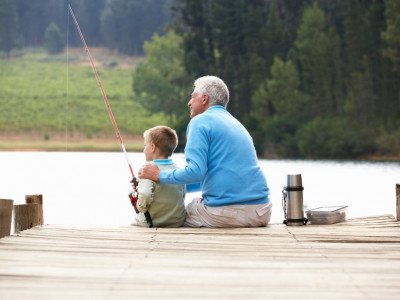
{"type": "Point", "coordinates": [157, 157]}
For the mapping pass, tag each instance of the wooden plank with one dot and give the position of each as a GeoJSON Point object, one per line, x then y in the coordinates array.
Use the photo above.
{"type": "Point", "coordinates": [277, 262]}
{"type": "Point", "coordinates": [6, 208]}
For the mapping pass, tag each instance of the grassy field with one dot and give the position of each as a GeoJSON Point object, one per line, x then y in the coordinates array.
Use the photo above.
{"type": "Point", "coordinates": [48, 102]}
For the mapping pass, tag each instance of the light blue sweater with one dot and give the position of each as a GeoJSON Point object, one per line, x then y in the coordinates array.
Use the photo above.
{"type": "Point", "coordinates": [220, 155]}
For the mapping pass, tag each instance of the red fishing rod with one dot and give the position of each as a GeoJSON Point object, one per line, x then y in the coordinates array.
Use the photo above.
{"type": "Point", "coordinates": [133, 196]}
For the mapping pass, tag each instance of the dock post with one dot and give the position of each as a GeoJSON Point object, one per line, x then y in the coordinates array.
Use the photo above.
{"type": "Point", "coordinates": [30, 214]}
{"type": "Point", "coordinates": [398, 201]}
{"type": "Point", "coordinates": [36, 199]}
{"type": "Point", "coordinates": [6, 208]}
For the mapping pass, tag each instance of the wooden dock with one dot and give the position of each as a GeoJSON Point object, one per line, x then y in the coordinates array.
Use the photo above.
{"type": "Point", "coordinates": [356, 259]}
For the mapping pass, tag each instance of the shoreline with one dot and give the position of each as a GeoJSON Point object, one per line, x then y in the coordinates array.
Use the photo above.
{"type": "Point", "coordinates": [26, 142]}
{"type": "Point", "coordinates": [78, 142]}
{"type": "Point", "coordinates": [370, 158]}
{"type": "Point", "coordinates": [95, 145]}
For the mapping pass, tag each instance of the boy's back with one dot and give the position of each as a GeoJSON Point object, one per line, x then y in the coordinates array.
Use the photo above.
{"type": "Point", "coordinates": [165, 202]}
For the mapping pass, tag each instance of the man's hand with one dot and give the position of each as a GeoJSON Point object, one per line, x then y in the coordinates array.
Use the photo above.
{"type": "Point", "coordinates": [149, 171]}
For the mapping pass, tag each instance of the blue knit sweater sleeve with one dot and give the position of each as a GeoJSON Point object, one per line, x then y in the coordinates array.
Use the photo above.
{"type": "Point", "coordinates": [196, 151]}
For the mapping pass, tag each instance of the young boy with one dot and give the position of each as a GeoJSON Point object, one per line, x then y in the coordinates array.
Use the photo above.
{"type": "Point", "coordinates": [164, 202]}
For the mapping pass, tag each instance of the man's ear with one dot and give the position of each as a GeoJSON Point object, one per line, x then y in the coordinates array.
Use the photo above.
{"type": "Point", "coordinates": [205, 99]}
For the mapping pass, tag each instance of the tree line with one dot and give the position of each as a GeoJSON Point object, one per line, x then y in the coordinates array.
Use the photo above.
{"type": "Point", "coordinates": [310, 78]}
{"type": "Point", "coordinates": [117, 24]}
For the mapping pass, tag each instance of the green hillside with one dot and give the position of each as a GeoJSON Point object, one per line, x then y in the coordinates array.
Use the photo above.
{"type": "Point", "coordinates": [48, 95]}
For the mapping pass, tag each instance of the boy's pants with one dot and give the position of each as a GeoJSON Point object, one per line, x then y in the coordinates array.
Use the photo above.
{"type": "Point", "coordinates": [254, 215]}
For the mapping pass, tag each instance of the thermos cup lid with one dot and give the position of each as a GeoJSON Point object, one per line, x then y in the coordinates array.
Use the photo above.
{"type": "Point", "coordinates": [294, 180]}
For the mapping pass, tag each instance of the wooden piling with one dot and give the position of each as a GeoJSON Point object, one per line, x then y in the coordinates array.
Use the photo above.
{"type": "Point", "coordinates": [36, 199]}
{"type": "Point", "coordinates": [6, 208]}
{"type": "Point", "coordinates": [30, 214]}
{"type": "Point", "coordinates": [398, 201]}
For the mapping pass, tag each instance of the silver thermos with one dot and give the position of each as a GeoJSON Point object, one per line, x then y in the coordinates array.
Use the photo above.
{"type": "Point", "coordinates": [292, 201]}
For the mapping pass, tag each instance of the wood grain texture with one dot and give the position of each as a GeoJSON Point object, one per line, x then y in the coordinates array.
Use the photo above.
{"type": "Point", "coordinates": [356, 259]}
{"type": "Point", "coordinates": [27, 216]}
{"type": "Point", "coordinates": [6, 209]}
{"type": "Point", "coordinates": [398, 201]}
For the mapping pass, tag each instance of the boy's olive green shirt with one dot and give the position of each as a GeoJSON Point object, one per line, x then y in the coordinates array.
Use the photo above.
{"type": "Point", "coordinates": [165, 202]}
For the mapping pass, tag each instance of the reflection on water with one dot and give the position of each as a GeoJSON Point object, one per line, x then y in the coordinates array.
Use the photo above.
{"type": "Point", "coordinates": [92, 188]}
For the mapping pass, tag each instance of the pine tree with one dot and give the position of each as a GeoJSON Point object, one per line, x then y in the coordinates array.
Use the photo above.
{"type": "Point", "coordinates": [9, 33]}
{"type": "Point", "coordinates": [275, 41]}
{"type": "Point", "coordinates": [363, 60]}
{"type": "Point", "coordinates": [254, 66]}
{"type": "Point", "coordinates": [127, 24]}
{"type": "Point", "coordinates": [35, 17]}
{"type": "Point", "coordinates": [54, 40]}
{"type": "Point", "coordinates": [90, 20]}
{"type": "Point", "coordinates": [391, 35]}
{"type": "Point", "coordinates": [193, 23]}
{"type": "Point", "coordinates": [281, 90]}
{"type": "Point", "coordinates": [315, 51]}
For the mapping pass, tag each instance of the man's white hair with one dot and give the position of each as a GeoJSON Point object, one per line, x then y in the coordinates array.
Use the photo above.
{"type": "Point", "coordinates": [214, 87]}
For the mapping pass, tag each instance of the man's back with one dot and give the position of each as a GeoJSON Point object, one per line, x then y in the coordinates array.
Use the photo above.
{"type": "Point", "coordinates": [224, 151]}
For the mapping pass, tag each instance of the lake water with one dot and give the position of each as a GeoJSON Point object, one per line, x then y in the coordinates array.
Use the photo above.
{"type": "Point", "coordinates": [92, 188]}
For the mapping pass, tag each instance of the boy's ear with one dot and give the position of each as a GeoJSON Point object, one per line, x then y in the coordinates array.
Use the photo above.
{"type": "Point", "coordinates": [153, 147]}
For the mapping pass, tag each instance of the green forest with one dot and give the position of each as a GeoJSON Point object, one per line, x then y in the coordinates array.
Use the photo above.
{"type": "Point", "coordinates": [307, 78]}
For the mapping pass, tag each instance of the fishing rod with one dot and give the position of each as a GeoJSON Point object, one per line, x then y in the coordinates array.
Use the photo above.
{"type": "Point", "coordinates": [133, 196]}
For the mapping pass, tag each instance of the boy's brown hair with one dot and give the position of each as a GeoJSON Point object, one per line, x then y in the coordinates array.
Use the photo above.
{"type": "Point", "coordinates": [164, 137]}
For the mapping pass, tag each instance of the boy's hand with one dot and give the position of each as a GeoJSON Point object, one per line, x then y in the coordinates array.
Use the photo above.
{"type": "Point", "coordinates": [135, 182]}
{"type": "Point", "coordinates": [149, 171]}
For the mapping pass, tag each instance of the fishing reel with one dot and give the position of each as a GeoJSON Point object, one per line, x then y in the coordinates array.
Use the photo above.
{"type": "Point", "coordinates": [134, 196]}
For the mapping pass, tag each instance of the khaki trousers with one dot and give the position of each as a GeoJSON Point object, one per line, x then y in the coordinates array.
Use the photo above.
{"type": "Point", "coordinates": [254, 215]}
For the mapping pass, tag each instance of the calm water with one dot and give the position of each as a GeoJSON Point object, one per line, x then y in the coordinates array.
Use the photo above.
{"type": "Point", "coordinates": [92, 188]}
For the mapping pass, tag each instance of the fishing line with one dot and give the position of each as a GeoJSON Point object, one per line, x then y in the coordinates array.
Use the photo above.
{"type": "Point", "coordinates": [103, 92]}
{"type": "Point", "coordinates": [133, 196]}
{"type": "Point", "coordinates": [66, 101]}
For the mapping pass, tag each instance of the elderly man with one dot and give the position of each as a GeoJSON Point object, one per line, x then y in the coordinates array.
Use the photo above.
{"type": "Point", "coordinates": [221, 157]}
